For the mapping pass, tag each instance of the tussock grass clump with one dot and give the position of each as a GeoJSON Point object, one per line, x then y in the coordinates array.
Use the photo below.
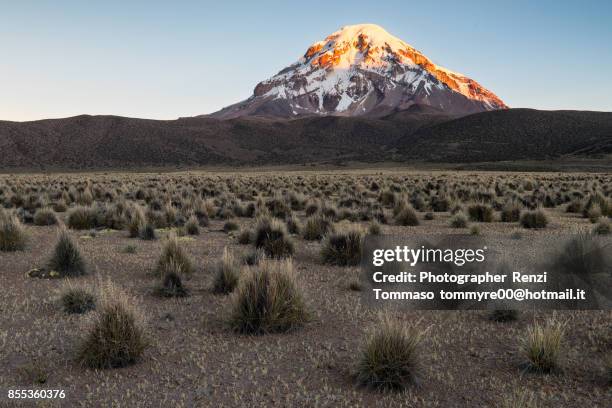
{"type": "Point", "coordinates": [77, 299]}
{"type": "Point", "coordinates": [603, 227]}
{"type": "Point", "coordinates": [230, 225]}
{"type": "Point", "coordinates": [596, 204]}
{"type": "Point", "coordinates": [316, 227]}
{"type": "Point", "coordinates": [116, 336]}
{"type": "Point", "coordinates": [136, 221]}
{"type": "Point", "coordinates": [253, 257]}
{"type": "Point", "coordinates": [575, 206]}
{"type": "Point", "coordinates": [511, 212]}
{"type": "Point", "coordinates": [480, 212]}
{"type": "Point", "coordinates": [192, 226]}
{"type": "Point", "coordinates": [45, 216]}
{"type": "Point", "coordinates": [459, 220]}
{"type": "Point", "coordinates": [536, 219]}
{"type": "Point", "coordinates": [146, 232]}
{"type": "Point", "coordinates": [12, 233]}
{"type": "Point", "coordinates": [171, 284]}
{"type": "Point", "coordinates": [293, 225]}
{"type": "Point", "coordinates": [227, 273]}
{"type": "Point", "coordinates": [67, 259]}
{"type": "Point", "coordinates": [390, 358]}
{"type": "Point", "coordinates": [594, 213]}
{"type": "Point", "coordinates": [172, 257]}
{"type": "Point", "coordinates": [343, 247]}
{"type": "Point", "coordinates": [374, 228]}
{"type": "Point", "coordinates": [272, 237]}
{"type": "Point", "coordinates": [542, 346]}
{"type": "Point", "coordinates": [244, 237]}
{"type": "Point", "coordinates": [82, 218]}
{"type": "Point", "coordinates": [407, 216]}
{"type": "Point", "coordinates": [268, 300]}
{"type": "Point", "coordinates": [60, 206]}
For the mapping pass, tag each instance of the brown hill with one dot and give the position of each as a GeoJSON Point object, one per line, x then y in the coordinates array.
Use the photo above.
{"type": "Point", "coordinates": [86, 142]}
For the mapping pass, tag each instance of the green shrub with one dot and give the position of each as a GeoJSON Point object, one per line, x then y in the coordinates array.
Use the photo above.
{"type": "Point", "coordinates": [390, 358]}
{"type": "Point", "coordinates": [268, 300]}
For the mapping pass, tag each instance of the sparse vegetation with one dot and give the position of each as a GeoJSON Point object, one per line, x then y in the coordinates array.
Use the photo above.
{"type": "Point", "coordinates": [543, 345]}
{"type": "Point", "coordinates": [268, 300]}
{"type": "Point", "coordinates": [299, 209]}
{"type": "Point", "coordinates": [116, 336]}
{"type": "Point", "coordinates": [173, 256]}
{"type": "Point", "coordinates": [67, 260]}
{"type": "Point", "coordinates": [227, 273]}
{"type": "Point", "coordinates": [12, 233]}
{"type": "Point", "coordinates": [272, 237]}
{"type": "Point", "coordinates": [534, 219]}
{"type": "Point", "coordinates": [390, 359]}
{"type": "Point", "coordinates": [77, 299]}
{"type": "Point", "coordinates": [343, 247]}
{"type": "Point", "coordinates": [45, 216]}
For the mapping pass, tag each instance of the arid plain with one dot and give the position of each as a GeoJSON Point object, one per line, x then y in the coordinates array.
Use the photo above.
{"type": "Point", "coordinates": [176, 255]}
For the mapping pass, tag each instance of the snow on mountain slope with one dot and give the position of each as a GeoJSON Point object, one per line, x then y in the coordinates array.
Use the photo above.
{"type": "Point", "coordinates": [363, 70]}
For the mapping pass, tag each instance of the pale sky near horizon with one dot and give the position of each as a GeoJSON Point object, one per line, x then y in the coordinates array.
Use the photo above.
{"type": "Point", "coordinates": [163, 60]}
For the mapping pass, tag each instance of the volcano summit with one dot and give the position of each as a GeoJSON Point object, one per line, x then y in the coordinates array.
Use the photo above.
{"type": "Point", "coordinates": [362, 70]}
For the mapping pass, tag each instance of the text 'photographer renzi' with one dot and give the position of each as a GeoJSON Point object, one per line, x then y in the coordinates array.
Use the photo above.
{"type": "Point", "coordinates": [449, 272]}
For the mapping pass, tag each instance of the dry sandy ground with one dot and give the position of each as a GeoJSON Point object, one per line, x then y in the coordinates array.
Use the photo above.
{"type": "Point", "coordinates": [196, 360]}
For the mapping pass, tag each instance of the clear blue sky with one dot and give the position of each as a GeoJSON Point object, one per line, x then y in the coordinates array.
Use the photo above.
{"type": "Point", "coordinates": [169, 59]}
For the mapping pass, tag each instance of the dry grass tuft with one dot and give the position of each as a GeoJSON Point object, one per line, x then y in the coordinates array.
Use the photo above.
{"type": "Point", "coordinates": [67, 259]}
{"type": "Point", "coordinates": [268, 300]}
{"type": "Point", "coordinates": [172, 257]}
{"type": "Point", "coordinates": [390, 358]}
{"type": "Point", "coordinates": [116, 336]}
{"type": "Point", "coordinates": [12, 233]}
{"type": "Point", "coordinates": [543, 345]}
{"type": "Point", "coordinates": [227, 273]}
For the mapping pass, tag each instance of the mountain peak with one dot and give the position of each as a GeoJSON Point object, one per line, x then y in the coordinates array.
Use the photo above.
{"type": "Point", "coordinates": [363, 70]}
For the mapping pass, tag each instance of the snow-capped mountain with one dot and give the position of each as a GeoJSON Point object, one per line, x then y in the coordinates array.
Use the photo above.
{"type": "Point", "coordinates": [363, 70]}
